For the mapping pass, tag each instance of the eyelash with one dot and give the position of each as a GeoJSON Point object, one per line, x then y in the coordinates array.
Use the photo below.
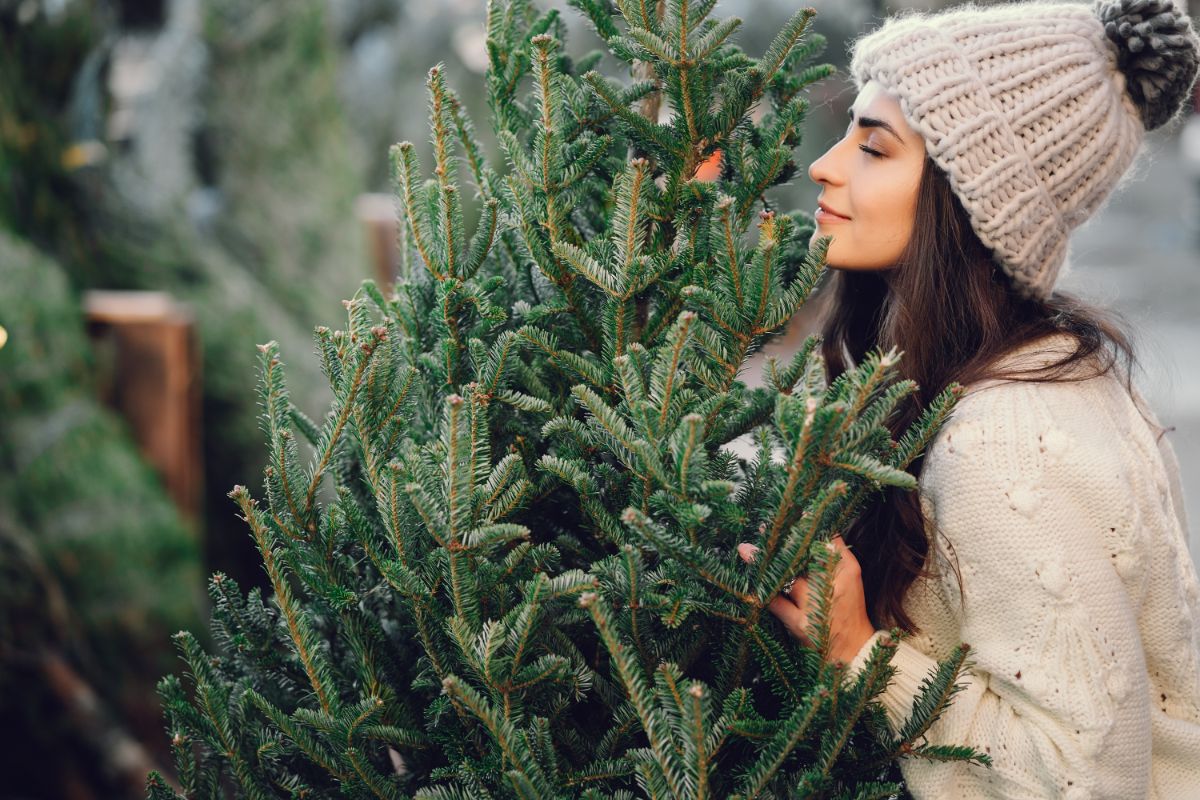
{"type": "Point", "coordinates": [870, 152]}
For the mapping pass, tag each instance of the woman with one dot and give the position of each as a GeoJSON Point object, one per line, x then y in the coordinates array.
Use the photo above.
{"type": "Point", "coordinates": [1048, 531]}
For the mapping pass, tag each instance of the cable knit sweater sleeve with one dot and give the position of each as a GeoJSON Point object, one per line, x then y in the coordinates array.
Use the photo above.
{"type": "Point", "coordinates": [1027, 484]}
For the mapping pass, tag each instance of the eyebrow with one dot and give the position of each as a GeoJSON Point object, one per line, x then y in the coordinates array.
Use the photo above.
{"type": "Point", "coordinates": [873, 122]}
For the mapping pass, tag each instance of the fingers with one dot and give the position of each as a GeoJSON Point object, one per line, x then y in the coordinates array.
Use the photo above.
{"type": "Point", "coordinates": [790, 607]}
{"type": "Point", "coordinates": [848, 567]}
{"type": "Point", "coordinates": [839, 546]}
{"type": "Point", "coordinates": [790, 614]}
{"type": "Point", "coordinates": [798, 595]}
{"type": "Point", "coordinates": [749, 552]}
{"type": "Point", "coordinates": [799, 589]}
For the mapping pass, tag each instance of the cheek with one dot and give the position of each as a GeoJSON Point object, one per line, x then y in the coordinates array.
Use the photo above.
{"type": "Point", "coordinates": [889, 211]}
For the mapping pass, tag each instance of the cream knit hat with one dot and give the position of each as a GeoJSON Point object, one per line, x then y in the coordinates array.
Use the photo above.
{"type": "Point", "coordinates": [1034, 110]}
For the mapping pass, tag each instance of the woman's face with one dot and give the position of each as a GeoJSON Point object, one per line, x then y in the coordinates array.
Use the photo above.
{"type": "Point", "coordinates": [869, 181]}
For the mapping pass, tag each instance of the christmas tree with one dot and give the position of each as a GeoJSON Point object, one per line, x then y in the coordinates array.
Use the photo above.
{"type": "Point", "coordinates": [524, 582]}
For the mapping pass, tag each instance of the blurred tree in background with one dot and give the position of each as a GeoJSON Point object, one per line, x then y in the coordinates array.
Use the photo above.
{"type": "Point", "coordinates": [96, 566]}
{"type": "Point", "coordinates": [207, 157]}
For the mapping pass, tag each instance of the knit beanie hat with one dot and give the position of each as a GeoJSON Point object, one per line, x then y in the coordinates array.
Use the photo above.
{"type": "Point", "coordinates": [1034, 110]}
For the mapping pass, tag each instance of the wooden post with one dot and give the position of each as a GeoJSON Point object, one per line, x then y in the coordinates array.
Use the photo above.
{"type": "Point", "coordinates": [377, 213]}
{"type": "Point", "coordinates": [150, 373]}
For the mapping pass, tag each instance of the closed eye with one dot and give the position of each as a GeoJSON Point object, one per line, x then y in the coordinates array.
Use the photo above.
{"type": "Point", "coordinates": [870, 152]}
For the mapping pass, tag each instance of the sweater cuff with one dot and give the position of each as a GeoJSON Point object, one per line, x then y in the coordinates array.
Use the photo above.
{"type": "Point", "coordinates": [912, 667]}
{"type": "Point", "coordinates": [859, 660]}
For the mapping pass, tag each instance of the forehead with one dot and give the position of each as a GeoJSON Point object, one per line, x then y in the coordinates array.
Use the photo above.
{"type": "Point", "coordinates": [873, 101]}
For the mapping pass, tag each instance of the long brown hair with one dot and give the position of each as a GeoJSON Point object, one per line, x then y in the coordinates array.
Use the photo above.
{"type": "Point", "coordinates": [952, 312]}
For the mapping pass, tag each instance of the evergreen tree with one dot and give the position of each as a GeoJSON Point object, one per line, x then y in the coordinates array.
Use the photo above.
{"type": "Point", "coordinates": [525, 582]}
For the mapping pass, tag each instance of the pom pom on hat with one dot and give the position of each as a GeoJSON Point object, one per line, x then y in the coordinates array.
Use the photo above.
{"type": "Point", "coordinates": [1158, 52]}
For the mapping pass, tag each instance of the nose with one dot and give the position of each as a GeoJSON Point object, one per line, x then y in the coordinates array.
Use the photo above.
{"type": "Point", "coordinates": [821, 171]}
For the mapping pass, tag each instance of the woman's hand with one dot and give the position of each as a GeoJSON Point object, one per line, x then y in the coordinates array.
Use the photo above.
{"type": "Point", "coordinates": [850, 627]}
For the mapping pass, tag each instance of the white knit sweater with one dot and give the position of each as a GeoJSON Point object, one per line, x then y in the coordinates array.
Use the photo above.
{"type": "Point", "coordinates": [1081, 599]}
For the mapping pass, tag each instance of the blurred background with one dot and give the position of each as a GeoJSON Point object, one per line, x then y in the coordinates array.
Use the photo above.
{"type": "Point", "coordinates": [183, 179]}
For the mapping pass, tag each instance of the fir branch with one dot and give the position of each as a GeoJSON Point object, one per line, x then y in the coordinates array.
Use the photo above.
{"type": "Point", "coordinates": [214, 699]}
{"type": "Point", "coordinates": [777, 663]}
{"type": "Point", "coordinates": [588, 267]}
{"type": "Point", "coordinates": [772, 754]}
{"type": "Point", "coordinates": [344, 405]}
{"type": "Point", "coordinates": [497, 534]}
{"type": "Point", "coordinates": [276, 415]}
{"type": "Point", "coordinates": [485, 236]}
{"type": "Point", "coordinates": [713, 39]}
{"type": "Point", "coordinates": [600, 14]}
{"type": "Point", "coordinates": [923, 431]}
{"type": "Point", "coordinates": [310, 745]}
{"type": "Point", "coordinates": [649, 135]}
{"type": "Point", "coordinates": [785, 41]}
{"type": "Point", "coordinates": [934, 694]}
{"type": "Point", "coordinates": [302, 637]}
{"type": "Point", "coordinates": [704, 565]}
{"type": "Point", "coordinates": [641, 12]}
{"type": "Point", "coordinates": [629, 223]}
{"type": "Point", "coordinates": [404, 170]}
{"type": "Point", "coordinates": [503, 733]}
{"type": "Point", "coordinates": [652, 44]}
{"type": "Point", "coordinates": [950, 752]}
{"type": "Point", "coordinates": [796, 469]}
{"type": "Point", "coordinates": [874, 470]}
{"type": "Point", "coordinates": [684, 64]}
{"type": "Point", "coordinates": [666, 366]}
{"type": "Point", "coordinates": [792, 556]}
{"type": "Point", "coordinates": [666, 766]}
{"type": "Point", "coordinates": [784, 380]}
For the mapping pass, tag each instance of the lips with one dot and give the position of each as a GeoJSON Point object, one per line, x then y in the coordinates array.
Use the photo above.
{"type": "Point", "coordinates": [824, 207]}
